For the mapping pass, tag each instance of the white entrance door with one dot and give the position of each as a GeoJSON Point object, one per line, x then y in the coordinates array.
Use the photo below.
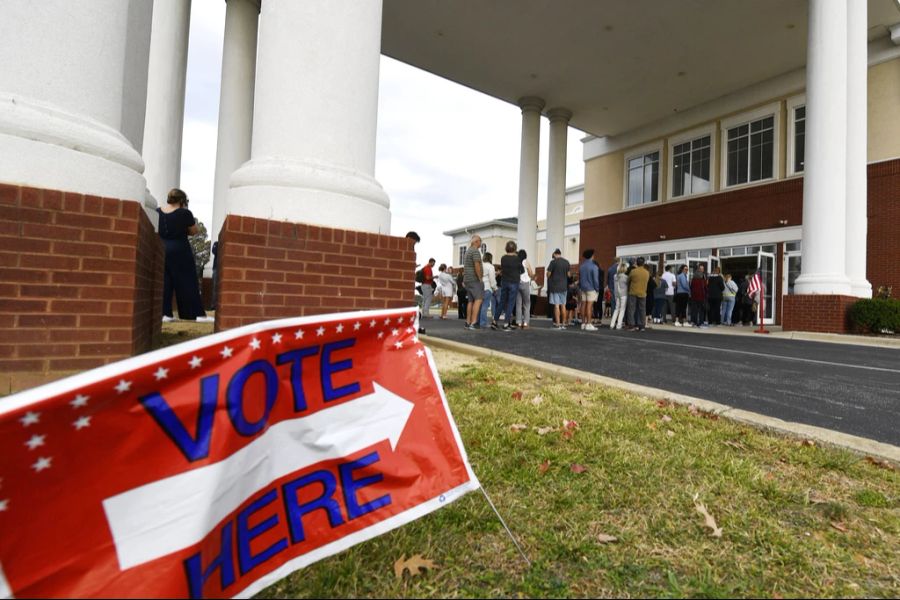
{"type": "Point", "coordinates": [765, 264]}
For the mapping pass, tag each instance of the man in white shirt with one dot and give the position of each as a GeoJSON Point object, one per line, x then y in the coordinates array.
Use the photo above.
{"type": "Point", "coordinates": [669, 277]}
{"type": "Point", "coordinates": [489, 277]}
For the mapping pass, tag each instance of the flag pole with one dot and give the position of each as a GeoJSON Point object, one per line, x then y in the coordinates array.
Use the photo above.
{"type": "Point", "coordinates": [762, 309]}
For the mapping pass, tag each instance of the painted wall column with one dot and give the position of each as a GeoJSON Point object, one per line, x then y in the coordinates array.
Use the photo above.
{"type": "Point", "coordinates": [556, 180]}
{"type": "Point", "coordinates": [62, 110]}
{"type": "Point", "coordinates": [528, 172]}
{"type": "Point", "coordinates": [235, 99]}
{"type": "Point", "coordinates": [166, 78]}
{"type": "Point", "coordinates": [857, 128]}
{"type": "Point", "coordinates": [314, 120]}
{"type": "Point", "coordinates": [823, 268]}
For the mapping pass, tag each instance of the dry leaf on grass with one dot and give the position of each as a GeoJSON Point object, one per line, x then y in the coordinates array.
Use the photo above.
{"type": "Point", "coordinates": [568, 434]}
{"type": "Point", "coordinates": [733, 444]}
{"type": "Point", "coordinates": [651, 426]}
{"type": "Point", "coordinates": [879, 463]}
{"type": "Point", "coordinates": [576, 468]}
{"type": "Point", "coordinates": [415, 564]}
{"type": "Point", "coordinates": [839, 526]}
{"type": "Point", "coordinates": [517, 395]}
{"type": "Point", "coordinates": [813, 497]}
{"type": "Point", "coordinates": [536, 401]}
{"type": "Point", "coordinates": [570, 424]}
{"type": "Point", "coordinates": [665, 418]}
{"type": "Point", "coordinates": [809, 443]}
{"type": "Point", "coordinates": [545, 430]}
{"type": "Point", "coordinates": [670, 433]}
{"type": "Point", "coordinates": [518, 427]}
{"type": "Point", "coordinates": [693, 410]}
{"type": "Point", "coordinates": [663, 403]}
{"type": "Point", "coordinates": [544, 466]}
{"type": "Point", "coordinates": [602, 538]}
{"type": "Point", "coordinates": [539, 376]}
{"type": "Point", "coordinates": [708, 519]}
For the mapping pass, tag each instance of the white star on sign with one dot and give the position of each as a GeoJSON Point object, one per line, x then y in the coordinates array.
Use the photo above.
{"type": "Point", "coordinates": [415, 339]}
{"type": "Point", "coordinates": [339, 328]}
{"type": "Point", "coordinates": [42, 463]}
{"type": "Point", "coordinates": [79, 401]}
{"type": "Point", "coordinates": [298, 335]}
{"type": "Point", "coordinates": [255, 344]}
{"type": "Point", "coordinates": [372, 323]}
{"type": "Point", "coordinates": [356, 326]}
{"type": "Point", "coordinates": [420, 353]}
{"type": "Point", "coordinates": [161, 373]}
{"type": "Point", "coordinates": [412, 319]}
{"type": "Point", "coordinates": [320, 331]}
{"type": "Point", "coordinates": [195, 362]}
{"type": "Point", "coordinates": [398, 345]}
{"type": "Point", "coordinates": [35, 441]}
{"type": "Point", "coordinates": [82, 423]}
{"type": "Point", "coordinates": [3, 505]}
{"type": "Point", "coordinates": [380, 334]}
{"type": "Point", "coordinates": [409, 330]}
{"type": "Point", "coordinates": [30, 418]}
{"type": "Point", "coordinates": [394, 332]}
{"type": "Point", "coordinates": [276, 339]}
{"type": "Point", "coordinates": [123, 386]}
{"type": "Point", "coordinates": [387, 322]}
{"type": "Point", "coordinates": [226, 352]}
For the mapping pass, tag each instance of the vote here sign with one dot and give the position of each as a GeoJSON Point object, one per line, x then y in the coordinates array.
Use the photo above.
{"type": "Point", "coordinates": [215, 467]}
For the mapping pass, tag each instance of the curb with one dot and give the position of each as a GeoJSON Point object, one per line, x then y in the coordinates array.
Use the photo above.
{"type": "Point", "coordinates": [828, 437]}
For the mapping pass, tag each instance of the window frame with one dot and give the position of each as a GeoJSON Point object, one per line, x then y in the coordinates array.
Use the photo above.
{"type": "Point", "coordinates": [793, 104]}
{"type": "Point", "coordinates": [640, 152]}
{"type": "Point", "coordinates": [745, 118]}
{"type": "Point", "coordinates": [689, 136]}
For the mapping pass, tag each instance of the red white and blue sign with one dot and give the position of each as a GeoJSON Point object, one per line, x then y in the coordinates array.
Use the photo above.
{"type": "Point", "coordinates": [215, 467]}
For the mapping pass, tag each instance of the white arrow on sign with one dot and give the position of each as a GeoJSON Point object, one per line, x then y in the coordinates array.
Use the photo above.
{"type": "Point", "coordinates": [162, 517]}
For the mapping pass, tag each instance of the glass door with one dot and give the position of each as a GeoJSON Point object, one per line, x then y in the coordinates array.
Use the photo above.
{"type": "Point", "coordinates": [765, 264]}
{"type": "Point", "coordinates": [713, 263]}
{"type": "Point", "coordinates": [790, 271]}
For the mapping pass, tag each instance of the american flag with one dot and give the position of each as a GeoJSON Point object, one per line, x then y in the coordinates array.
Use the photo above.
{"type": "Point", "coordinates": [755, 284]}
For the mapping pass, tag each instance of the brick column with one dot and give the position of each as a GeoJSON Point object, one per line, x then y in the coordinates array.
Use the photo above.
{"type": "Point", "coordinates": [276, 269]}
{"type": "Point", "coordinates": [80, 283]}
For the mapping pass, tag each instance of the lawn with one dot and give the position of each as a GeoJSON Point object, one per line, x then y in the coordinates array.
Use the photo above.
{"type": "Point", "coordinates": [796, 519]}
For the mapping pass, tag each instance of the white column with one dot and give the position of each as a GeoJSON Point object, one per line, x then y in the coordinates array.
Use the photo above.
{"type": "Point", "coordinates": [235, 99]}
{"type": "Point", "coordinates": [62, 85]}
{"type": "Point", "coordinates": [823, 268]}
{"type": "Point", "coordinates": [528, 172]}
{"type": "Point", "coordinates": [314, 118]}
{"type": "Point", "coordinates": [857, 123]}
{"type": "Point", "coordinates": [556, 179]}
{"type": "Point", "coordinates": [166, 78]}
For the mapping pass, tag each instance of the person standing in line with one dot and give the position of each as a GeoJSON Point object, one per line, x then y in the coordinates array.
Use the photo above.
{"type": "Point", "coordinates": [462, 299]}
{"type": "Point", "coordinates": [473, 281]}
{"type": "Point", "coordinates": [589, 288]}
{"type": "Point", "coordinates": [557, 282]}
{"type": "Point", "coordinates": [447, 286]}
{"type": "Point", "coordinates": [598, 306]}
{"type": "Point", "coordinates": [427, 288]}
{"type": "Point", "coordinates": [611, 285]}
{"type": "Point", "coordinates": [176, 223]}
{"type": "Point", "coordinates": [659, 299]}
{"type": "Point", "coordinates": [699, 297]}
{"type": "Point", "coordinates": [523, 299]}
{"type": "Point", "coordinates": [637, 295]}
{"type": "Point", "coordinates": [716, 290]}
{"type": "Point", "coordinates": [490, 284]}
{"type": "Point", "coordinates": [728, 295]}
{"type": "Point", "coordinates": [510, 276]}
{"type": "Point", "coordinates": [682, 295]}
{"type": "Point", "coordinates": [620, 291]}
{"type": "Point", "coordinates": [651, 294]}
{"type": "Point", "coordinates": [669, 277]}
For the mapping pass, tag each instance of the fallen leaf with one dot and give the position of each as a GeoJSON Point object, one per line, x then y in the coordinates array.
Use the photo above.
{"type": "Point", "coordinates": [663, 403]}
{"type": "Point", "coordinates": [777, 596]}
{"type": "Point", "coordinates": [415, 564]}
{"type": "Point", "coordinates": [576, 468]}
{"type": "Point", "coordinates": [545, 430]}
{"type": "Point", "coordinates": [539, 376]}
{"type": "Point", "coordinates": [544, 466]}
{"type": "Point", "coordinates": [693, 410]}
{"type": "Point", "coordinates": [670, 433]}
{"type": "Point", "coordinates": [808, 443]}
{"type": "Point", "coordinates": [567, 434]}
{"type": "Point", "coordinates": [518, 427]}
{"type": "Point", "coordinates": [839, 526]}
{"type": "Point", "coordinates": [665, 418]}
{"type": "Point", "coordinates": [651, 426]}
{"type": "Point", "coordinates": [879, 463]}
{"type": "Point", "coordinates": [606, 539]}
{"type": "Point", "coordinates": [517, 395]}
{"type": "Point", "coordinates": [570, 424]}
{"type": "Point", "coordinates": [736, 445]}
{"type": "Point", "coordinates": [536, 401]}
{"type": "Point", "coordinates": [708, 519]}
{"type": "Point", "coordinates": [813, 497]}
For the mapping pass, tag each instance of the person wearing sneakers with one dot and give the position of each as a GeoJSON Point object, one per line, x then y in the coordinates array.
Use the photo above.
{"type": "Point", "coordinates": [682, 295]}
{"type": "Point", "coordinates": [620, 290]}
{"type": "Point", "coordinates": [490, 284]}
{"type": "Point", "coordinates": [510, 272]}
{"type": "Point", "coordinates": [589, 288]}
{"type": "Point", "coordinates": [557, 282]}
{"type": "Point", "coordinates": [669, 277]}
{"type": "Point", "coordinates": [637, 295]}
{"type": "Point", "coordinates": [473, 282]}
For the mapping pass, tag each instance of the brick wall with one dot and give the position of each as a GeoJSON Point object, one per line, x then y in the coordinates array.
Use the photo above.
{"type": "Point", "coordinates": [80, 283]}
{"type": "Point", "coordinates": [822, 313]}
{"type": "Point", "coordinates": [883, 247]}
{"type": "Point", "coordinates": [272, 269]}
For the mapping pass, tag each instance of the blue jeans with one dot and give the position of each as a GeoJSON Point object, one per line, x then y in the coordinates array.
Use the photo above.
{"type": "Point", "coordinates": [508, 293]}
{"type": "Point", "coordinates": [482, 316]}
{"type": "Point", "coordinates": [727, 308]}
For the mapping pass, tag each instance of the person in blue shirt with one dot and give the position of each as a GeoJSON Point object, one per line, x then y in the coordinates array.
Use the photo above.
{"type": "Point", "coordinates": [682, 295]}
{"type": "Point", "coordinates": [589, 287]}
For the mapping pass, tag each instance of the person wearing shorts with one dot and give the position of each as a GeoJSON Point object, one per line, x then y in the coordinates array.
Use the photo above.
{"type": "Point", "coordinates": [557, 285]}
{"type": "Point", "coordinates": [473, 282]}
{"type": "Point", "coordinates": [589, 287]}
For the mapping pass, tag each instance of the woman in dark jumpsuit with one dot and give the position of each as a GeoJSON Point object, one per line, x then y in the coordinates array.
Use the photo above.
{"type": "Point", "coordinates": [176, 223]}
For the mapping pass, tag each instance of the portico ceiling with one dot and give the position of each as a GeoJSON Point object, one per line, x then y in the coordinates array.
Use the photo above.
{"type": "Point", "coordinates": [616, 64]}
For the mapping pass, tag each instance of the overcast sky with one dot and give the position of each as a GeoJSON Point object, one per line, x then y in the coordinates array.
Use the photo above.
{"type": "Point", "coordinates": [446, 155]}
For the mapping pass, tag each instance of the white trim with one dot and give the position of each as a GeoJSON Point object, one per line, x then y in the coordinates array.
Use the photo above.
{"type": "Point", "coordinates": [698, 132]}
{"type": "Point", "coordinates": [649, 148]}
{"type": "Point", "coordinates": [792, 103]}
{"type": "Point", "coordinates": [769, 110]}
{"type": "Point", "coordinates": [759, 237]}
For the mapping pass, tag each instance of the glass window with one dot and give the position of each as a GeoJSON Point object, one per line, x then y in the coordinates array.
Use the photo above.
{"type": "Point", "coordinates": [643, 179]}
{"type": "Point", "coordinates": [792, 246]}
{"type": "Point", "coordinates": [690, 167]}
{"type": "Point", "coordinates": [799, 138]}
{"type": "Point", "coordinates": [462, 255]}
{"type": "Point", "coordinates": [751, 150]}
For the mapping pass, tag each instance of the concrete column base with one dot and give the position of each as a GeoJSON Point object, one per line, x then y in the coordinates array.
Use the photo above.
{"type": "Point", "coordinates": [275, 269]}
{"type": "Point", "coordinates": [80, 283]}
{"type": "Point", "coordinates": [820, 313]}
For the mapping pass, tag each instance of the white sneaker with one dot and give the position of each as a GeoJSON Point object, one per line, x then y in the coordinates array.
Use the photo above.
{"type": "Point", "coordinates": [167, 319]}
{"type": "Point", "coordinates": [583, 327]}
{"type": "Point", "coordinates": [205, 319]}
{"type": "Point", "coordinates": [677, 324]}
{"type": "Point", "coordinates": [590, 327]}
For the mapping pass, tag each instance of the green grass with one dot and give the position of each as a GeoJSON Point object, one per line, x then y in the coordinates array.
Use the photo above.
{"type": "Point", "coordinates": [782, 505]}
